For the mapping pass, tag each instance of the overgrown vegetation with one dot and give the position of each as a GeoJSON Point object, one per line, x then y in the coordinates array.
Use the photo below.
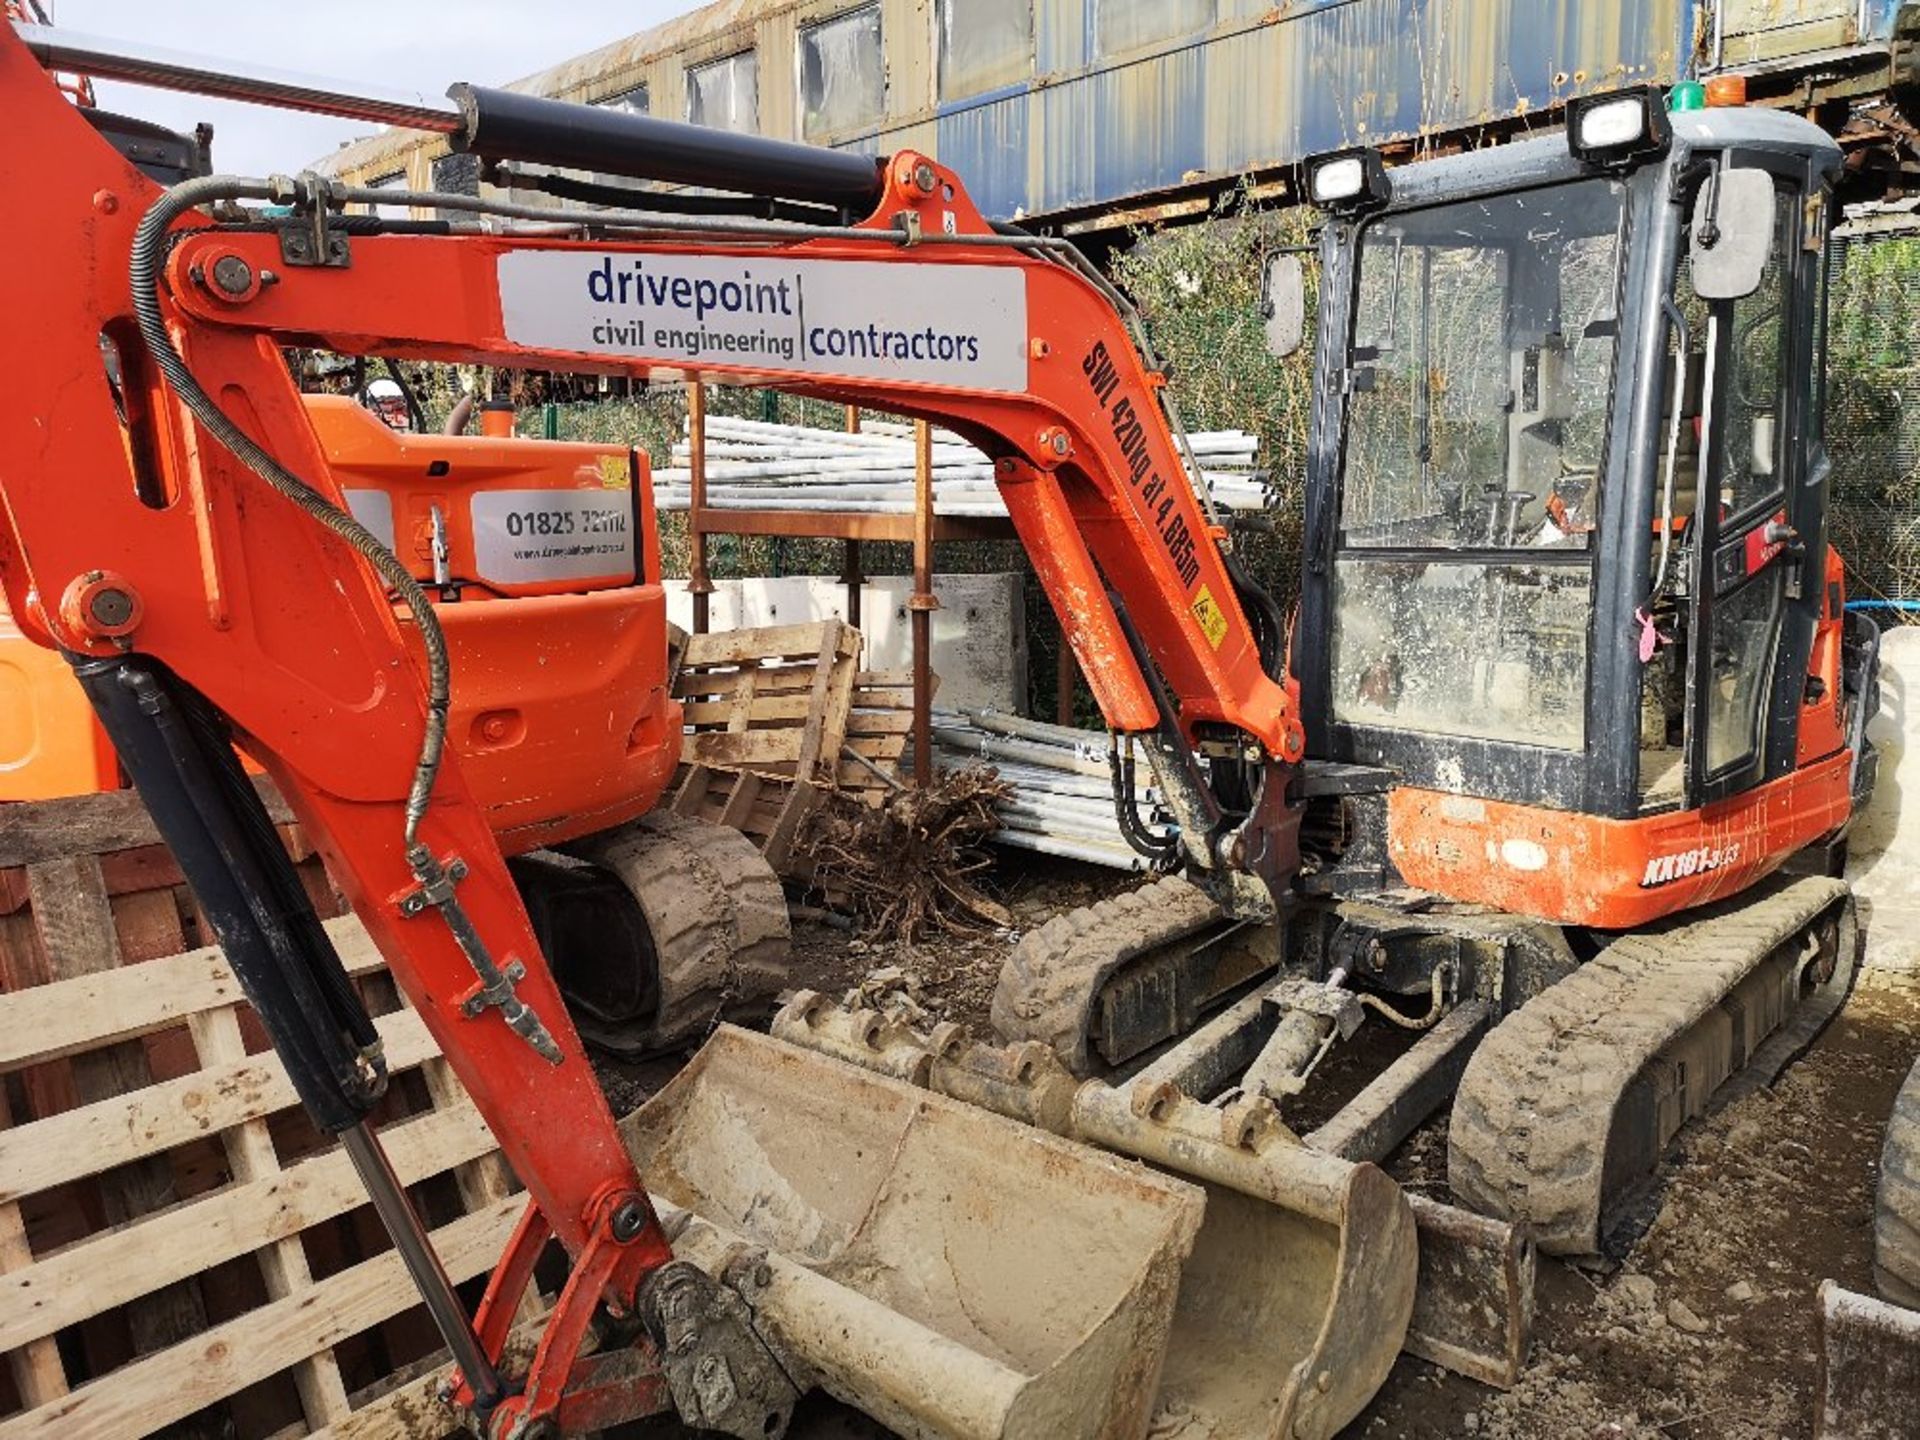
{"type": "Point", "coordinates": [1198, 288]}
{"type": "Point", "coordinates": [1873, 413]}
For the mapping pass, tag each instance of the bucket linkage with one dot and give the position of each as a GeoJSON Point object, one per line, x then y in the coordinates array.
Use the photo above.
{"type": "Point", "coordinates": [1318, 1260]}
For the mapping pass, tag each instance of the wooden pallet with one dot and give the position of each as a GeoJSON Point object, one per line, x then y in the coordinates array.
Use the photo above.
{"type": "Point", "coordinates": [767, 713]}
{"type": "Point", "coordinates": [879, 729]}
{"type": "Point", "coordinates": [780, 717]}
{"type": "Point", "coordinates": [180, 1250]}
{"type": "Point", "coordinates": [773, 701]}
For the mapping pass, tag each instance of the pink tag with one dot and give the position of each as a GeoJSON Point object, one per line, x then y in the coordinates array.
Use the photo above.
{"type": "Point", "coordinates": [1649, 636]}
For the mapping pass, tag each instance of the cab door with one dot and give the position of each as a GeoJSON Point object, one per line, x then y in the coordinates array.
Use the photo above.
{"type": "Point", "coordinates": [1746, 550]}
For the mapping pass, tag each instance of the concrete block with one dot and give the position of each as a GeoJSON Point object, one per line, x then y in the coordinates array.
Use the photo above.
{"type": "Point", "coordinates": [979, 631]}
{"type": "Point", "coordinates": [1884, 845]}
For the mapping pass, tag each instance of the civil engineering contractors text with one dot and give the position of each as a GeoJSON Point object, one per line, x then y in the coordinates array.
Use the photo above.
{"type": "Point", "coordinates": [668, 314]}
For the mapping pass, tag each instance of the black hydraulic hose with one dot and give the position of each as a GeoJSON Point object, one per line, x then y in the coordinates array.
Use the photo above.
{"type": "Point", "coordinates": [1162, 852]}
{"type": "Point", "coordinates": [181, 760]}
{"type": "Point", "coordinates": [149, 248]}
{"type": "Point", "coordinates": [1263, 615]}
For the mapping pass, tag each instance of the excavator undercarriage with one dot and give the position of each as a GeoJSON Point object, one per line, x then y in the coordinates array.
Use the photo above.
{"type": "Point", "coordinates": [949, 1234]}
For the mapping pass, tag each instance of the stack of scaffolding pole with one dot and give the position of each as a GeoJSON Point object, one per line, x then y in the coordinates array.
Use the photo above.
{"type": "Point", "coordinates": [757, 465]}
{"type": "Point", "coordinates": [1062, 801]}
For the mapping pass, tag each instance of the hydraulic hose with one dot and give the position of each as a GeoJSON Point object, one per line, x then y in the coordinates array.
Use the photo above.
{"type": "Point", "coordinates": [149, 250]}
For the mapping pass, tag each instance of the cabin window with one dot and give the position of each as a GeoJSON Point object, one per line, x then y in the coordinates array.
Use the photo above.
{"type": "Point", "coordinates": [983, 45]}
{"type": "Point", "coordinates": [1123, 25]}
{"type": "Point", "coordinates": [629, 102]}
{"type": "Point", "coordinates": [843, 74]}
{"type": "Point", "coordinates": [725, 93]}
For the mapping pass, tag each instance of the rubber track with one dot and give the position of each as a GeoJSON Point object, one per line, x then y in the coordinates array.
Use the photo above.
{"type": "Point", "coordinates": [1535, 1110]}
{"type": "Point", "coordinates": [1049, 984]}
{"type": "Point", "coordinates": [717, 917]}
{"type": "Point", "coordinates": [1896, 1231]}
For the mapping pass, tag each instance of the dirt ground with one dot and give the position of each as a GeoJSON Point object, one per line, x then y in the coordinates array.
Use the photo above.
{"type": "Point", "coordinates": [1705, 1332]}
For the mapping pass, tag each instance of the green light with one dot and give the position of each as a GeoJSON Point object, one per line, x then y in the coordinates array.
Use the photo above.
{"type": "Point", "coordinates": [1687, 96]}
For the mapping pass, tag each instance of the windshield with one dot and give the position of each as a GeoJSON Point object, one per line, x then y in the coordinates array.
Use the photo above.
{"type": "Point", "coordinates": [1483, 349]}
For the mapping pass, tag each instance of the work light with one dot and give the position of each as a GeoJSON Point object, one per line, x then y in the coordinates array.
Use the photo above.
{"type": "Point", "coordinates": [1618, 127]}
{"type": "Point", "coordinates": [1349, 180]}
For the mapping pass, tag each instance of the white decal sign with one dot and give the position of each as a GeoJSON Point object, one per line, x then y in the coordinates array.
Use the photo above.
{"type": "Point", "coordinates": [374, 510]}
{"type": "Point", "coordinates": [962, 325]}
{"type": "Point", "coordinates": [529, 537]}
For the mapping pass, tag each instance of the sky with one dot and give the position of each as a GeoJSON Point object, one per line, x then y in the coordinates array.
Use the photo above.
{"type": "Point", "coordinates": [397, 44]}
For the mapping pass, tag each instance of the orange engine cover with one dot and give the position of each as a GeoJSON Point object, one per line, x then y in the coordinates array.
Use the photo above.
{"type": "Point", "coordinates": [50, 745]}
{"type": "Point", "coordinates": [545, 556]}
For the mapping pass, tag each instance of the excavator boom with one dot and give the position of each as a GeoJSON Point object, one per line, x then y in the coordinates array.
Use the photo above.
{"type": "Point", "coordinates": [171, 526]}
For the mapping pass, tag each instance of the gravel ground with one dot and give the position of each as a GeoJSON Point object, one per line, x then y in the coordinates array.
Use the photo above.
{"type": "Point", "coordinates": [1706, 1330]}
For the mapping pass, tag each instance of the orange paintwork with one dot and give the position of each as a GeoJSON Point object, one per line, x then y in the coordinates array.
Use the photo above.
{"type": "Point", "coordinates": [280, 624]}
{"type": "Point", "coordinates": [560, 706]}
{"type": "Point", "coordinates": [561, 714]}
{"type": "Point", "coordinates": [365, 453]}
{"type": "Point", "coordinates": [1823, 715]}
{"type": "Point", "coordinates": [289, 632]}
{"type": "Point", "coordinates": [50, 744]}
{"type": "Point", "coordinates": [1113, 497]}
{"type": "Point", "coordinates": [1610, 874]}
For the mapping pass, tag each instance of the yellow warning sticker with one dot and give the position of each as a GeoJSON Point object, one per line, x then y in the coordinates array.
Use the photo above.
{"type": "Point", "coordinates": [1213, 620]}
{"type": "Point", "coordinates": [613, 472]}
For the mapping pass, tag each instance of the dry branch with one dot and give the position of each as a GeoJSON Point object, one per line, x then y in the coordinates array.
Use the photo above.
{"type": "Point", "coordinates": [905, 868]}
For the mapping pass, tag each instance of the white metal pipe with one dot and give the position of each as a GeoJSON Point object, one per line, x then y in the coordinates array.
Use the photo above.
{"type": "Point", "coordinates": [1080, 808]}
{"type": "Point", "coordinates": [1048, 756]}
{"type": "Point", "coordinates": [998, 723]}
{"type": "Point", "coordinates": [1112, 858]}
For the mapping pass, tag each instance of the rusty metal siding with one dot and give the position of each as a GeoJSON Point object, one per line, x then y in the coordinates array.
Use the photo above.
{"type": "Point", "coordinates": [1269, 84]}
{"type": "Point", "coordinates": [985, 140]}
{"type": "Point", "coordinates": [1267, 93]}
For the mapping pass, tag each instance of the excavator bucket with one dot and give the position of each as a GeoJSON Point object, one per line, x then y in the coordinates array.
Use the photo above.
{"type": "Point", "coordinates": [945, 1270]}
{"type": "Point", "coordinates": [1300, 1289]}
{"type": "Point", "coordinates": [1869, 1368]}
{"type": "Point", "coordinates": [1290, 1315]}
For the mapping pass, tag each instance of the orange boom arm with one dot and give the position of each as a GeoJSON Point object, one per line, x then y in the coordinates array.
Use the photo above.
{"type": "Point", "coordinates": [140, 537]}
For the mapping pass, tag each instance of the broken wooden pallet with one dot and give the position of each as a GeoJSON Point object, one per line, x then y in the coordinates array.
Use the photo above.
{"type": "Point", "coordinates": [776, 718]}
{"type": "Point", "coordinates": [767, 713]}
{"type": "Point", "coordinates": [772, 701]}
{"type": "Point", "coordinates": [179, 1249]}
{"type": "Point", "coordinates": [879, 729]}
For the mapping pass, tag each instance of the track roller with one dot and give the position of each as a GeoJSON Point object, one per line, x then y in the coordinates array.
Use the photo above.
{"type": "Point", "coordinates": [1108, 982]}
{"type": "Point", "coordinates": [1565, 1108]}
{"type": "Point", "coordinates": [659, 930]}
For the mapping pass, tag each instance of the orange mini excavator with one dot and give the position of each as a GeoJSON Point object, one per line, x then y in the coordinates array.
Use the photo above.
{"type": "Point", "coordinates": [1571, 713]}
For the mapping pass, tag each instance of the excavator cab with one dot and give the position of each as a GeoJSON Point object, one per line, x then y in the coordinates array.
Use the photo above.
{"type": "Point", "coordinates": [1500, 549]}
{"type": "Point", "coordinates": [1566, 540]}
